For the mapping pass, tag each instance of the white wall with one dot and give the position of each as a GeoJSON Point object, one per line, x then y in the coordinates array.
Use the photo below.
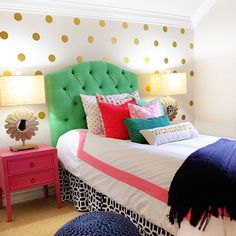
{"type": "Point", "coordinates": [215, 64]}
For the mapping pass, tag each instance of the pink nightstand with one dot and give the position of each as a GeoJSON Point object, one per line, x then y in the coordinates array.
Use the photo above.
{"type": "Point", "coordinates": [28, 169]}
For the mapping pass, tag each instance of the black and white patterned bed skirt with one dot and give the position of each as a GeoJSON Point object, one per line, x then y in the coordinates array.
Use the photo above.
{"type": "Point", "coordinates": [86, 198]}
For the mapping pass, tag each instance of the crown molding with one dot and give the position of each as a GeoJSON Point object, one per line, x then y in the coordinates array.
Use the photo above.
{"type": "Point", "coordinates": [74, 8]}
{"type": "Point", "coordinates": [202, 11]}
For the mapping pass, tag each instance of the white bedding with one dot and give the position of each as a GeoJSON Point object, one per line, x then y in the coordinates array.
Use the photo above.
{"type": "Point", "coordinates": [157, 164]}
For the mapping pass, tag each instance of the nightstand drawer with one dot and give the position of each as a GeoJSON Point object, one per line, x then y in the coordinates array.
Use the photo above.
{"type": "Point", "coordinates": [30, 164]}
{"type": "Point", "coordinates": [32, 179]}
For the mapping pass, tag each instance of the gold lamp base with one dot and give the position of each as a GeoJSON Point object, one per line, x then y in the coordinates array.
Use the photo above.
{"type": "Point", "coordinates": [16, 148]}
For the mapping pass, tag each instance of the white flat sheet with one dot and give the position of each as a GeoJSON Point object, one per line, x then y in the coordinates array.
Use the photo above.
{"type": "Point", "coordinates": [155, 164]}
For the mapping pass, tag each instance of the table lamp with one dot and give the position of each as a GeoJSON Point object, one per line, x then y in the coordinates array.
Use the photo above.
{"type": "Point", "coordinates": [21, 90]}
{"type": "Point", "coordinates": [167, 84]}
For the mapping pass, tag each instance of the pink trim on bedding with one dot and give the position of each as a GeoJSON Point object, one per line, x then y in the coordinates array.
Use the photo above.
{"type": "Point", "coordinates": [125, 177]}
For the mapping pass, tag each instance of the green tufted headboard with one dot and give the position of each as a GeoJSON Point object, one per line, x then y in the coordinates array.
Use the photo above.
{"type": "Point", "coordinates": [64, 87]}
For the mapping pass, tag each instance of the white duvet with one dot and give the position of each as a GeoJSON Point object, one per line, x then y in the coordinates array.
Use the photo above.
{"type": "Point", "coordinates": [156, 164]}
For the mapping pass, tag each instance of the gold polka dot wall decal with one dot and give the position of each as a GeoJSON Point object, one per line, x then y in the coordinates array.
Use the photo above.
{"type": "Point", "coordinates": [38, 72]}
{"type": "Point", "coordinates": [51, 58]}
{"type": "Point", "coordinates": [183, 117]}
{"type": "Point", "coordinates": [49, 19]}
{"type": "Point", "coordinates": [183, 61]}
{"type": "Point", "coordinates": [156, 43]}
{"type": "Point", "coordinates": [21, 57]}
{"type": "Point", "coordinates": [182, 30]}
{"type": "Point", "coordinates": [125, 25]}
{"type": "Point", "coordinates": [114, 40]}
{"type": "Point", "coordinates": [165, 29]}
{"type": "Point", "coordinates": [64, 38]}
{"type": "Point", "coordinates": [126, 60]}
{"type": "Point", "coordinates": [146, 60]}
{"type": "Point", "coordinates": [191, 73]}
{"type": "Point", "coordinates": [76, 21]}
{"type": "Point", "coordinates": [18, 16]}
{"type": "Point", "coordinates": [191, 45]}
{"type": "Point", "coordinates": [156, 72]}
{"type": "Point", "coordinates": [174, 44]}
{"type": "Point", "coordinates": [79, 59]}
{"type": "Point", "coordinates": [191, 103]}
{"type": "Point", "coordinates": [90, 39]}
{"type": "Point", "coordinates": [145, 27]}
{"type": "Point", "coordinates": [3, 35]}
{"type": "Point", "coordinates": [136, 41]}
{"type": "Point", "coordinates": [166, 60]}
{"type": "Point", "coordinates": [148, 88]}
{"type": "Point", "coordinates": [102, 23]}
{"type": "Point", "coordinates": [105, 59]}
{"type": "Point", "coordinates": [41, 115]}
{"type": "Point", "coordinates": [7, 73]}
{"type": "Point", "coordinates": [36, 36]}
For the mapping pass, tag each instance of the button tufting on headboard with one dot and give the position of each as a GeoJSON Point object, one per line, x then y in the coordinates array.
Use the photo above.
{"type": "Point", "coordinates": [86, 78]}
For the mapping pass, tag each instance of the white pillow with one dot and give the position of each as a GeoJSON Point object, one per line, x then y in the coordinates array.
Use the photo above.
{"type": "Point", "coordinates": [170, 133]}
{"type": "Point", "coordinates": [92, 111]}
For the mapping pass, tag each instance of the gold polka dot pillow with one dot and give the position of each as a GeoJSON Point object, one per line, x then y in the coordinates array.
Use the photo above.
{"type": "Point", "coordinates": [171, 133]}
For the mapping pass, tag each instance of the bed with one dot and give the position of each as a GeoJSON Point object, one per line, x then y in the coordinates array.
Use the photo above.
{"type": "Point", "coordinates": [142, 196]}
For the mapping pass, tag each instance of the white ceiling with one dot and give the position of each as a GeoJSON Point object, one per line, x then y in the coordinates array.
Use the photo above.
{"type": "Point", "coordinates": [186, 13]}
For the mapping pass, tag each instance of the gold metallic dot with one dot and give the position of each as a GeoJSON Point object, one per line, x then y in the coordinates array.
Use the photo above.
{"type": "Point", "coordinates": [41, 115]}
{"type": "Point", "coordinates": [36, 36]}
{"type": "Point", "coordinates": [148, 88]}
{"type": "Point", "coordinates": [79, 59]}
{"type": "Point", "coordinates": [90, 39]}
{"type": "Point", "coordinates": [114, 40]}
{"type": "Point", "coordinates": [191, 73]}
{"type": "Point", "coordinates": [3, 35]}
{"type": "Point", "coordinates": [156, 72]}
{"type": "Point", "coordinates": [102, 23]}
{"type": "Point", "coordinates": [48, 19]}
{"type": "Point", "coordinates": [21, 57]}
{"type": "Point", "coordinates": [183, 61]}
{"type": "Point", "coordinates": [145, 27]}
{"type": "Point", "coordinates": [125, 25]}
{"type": "Point", "coordinates": [105, 59]}
{"type": "Point", "coordinates": [7, 73]}
{"type": "Point", "coordinates": [18, 16]}
{"type": "Point", "coordinates": [38, 72]}
{"type": "Point", "coordinates": [146, 60]}
{"type": "Point", "coordinates": [182, 30]}
{"type": "Point", "coordinates": [166, 60]}
{"type": "Point", "coordinates": [76, 21]}
{"type": "Point", "coordinates": [51, 58]}
{"type": "Point", "coordinates": [191, 45]}
{"type": "Point", "coordinates": [126, 60]}
{"type": "Point", "coordinates": [174, 44]}
{"type": "Point", "coordinates": [136, 41]}
{"type": "Point", "coordinates": [165, 29]}
{"type": "Point", "coordinates": [156, 43]}
{"type": "Point", "coordinates": [175, 71]}
{"type": "Point", "coordinates": [191, 103]}
{"type": "Point", "coordinates": [64, 38]}
{"type": "Point", "coordinates": [183, 117]}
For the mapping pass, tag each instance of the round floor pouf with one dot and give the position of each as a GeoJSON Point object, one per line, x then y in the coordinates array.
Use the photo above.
{"type": "Point", "coordinates": [99, 223]}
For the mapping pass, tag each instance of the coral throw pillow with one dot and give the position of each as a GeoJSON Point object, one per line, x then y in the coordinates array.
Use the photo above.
{"type": "Point", "coordinates": [113, 116]}
{"type": "Point", "coordinates": [152, 109]}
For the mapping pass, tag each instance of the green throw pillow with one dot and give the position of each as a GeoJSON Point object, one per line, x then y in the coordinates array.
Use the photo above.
{"type": "Point", "coordinates": [135, 125]}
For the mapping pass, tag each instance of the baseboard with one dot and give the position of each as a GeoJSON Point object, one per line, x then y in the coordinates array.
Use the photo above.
{"type": "Point", "coordinates": [28, 195]}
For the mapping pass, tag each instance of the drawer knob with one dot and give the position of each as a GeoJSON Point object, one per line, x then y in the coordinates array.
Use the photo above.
{"type": "Point", "coordinates": [32, 165]}
{"type": "Point", "coordinates": [33, 180]}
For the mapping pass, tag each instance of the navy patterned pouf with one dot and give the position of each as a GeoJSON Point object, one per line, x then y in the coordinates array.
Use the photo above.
{"type": "Point", "coordinates": [99, 223]}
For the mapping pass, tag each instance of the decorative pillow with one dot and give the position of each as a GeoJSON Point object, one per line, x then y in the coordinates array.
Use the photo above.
{"type": "Point", "coordinates": [117, 99]}
{"type": "Point", "coordinates": [152, 109]}
{"type": "Point", "coordinates": [93, 114]}
{"type": "Point", "coordinates": [135, 125]}
{"type": "Point", "coordinates": [113, 116]}
{"type": "Point", "coordinates": [170, 133]}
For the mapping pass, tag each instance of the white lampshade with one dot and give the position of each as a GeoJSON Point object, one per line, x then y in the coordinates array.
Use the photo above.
{"type": "Point", "coordinates": [168, 84]}
{"type": "Point", "coordinates": [21, 90]}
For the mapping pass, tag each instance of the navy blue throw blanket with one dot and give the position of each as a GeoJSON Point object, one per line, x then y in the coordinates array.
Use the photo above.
{"type": "Point", "coordinates": [205, 183]}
